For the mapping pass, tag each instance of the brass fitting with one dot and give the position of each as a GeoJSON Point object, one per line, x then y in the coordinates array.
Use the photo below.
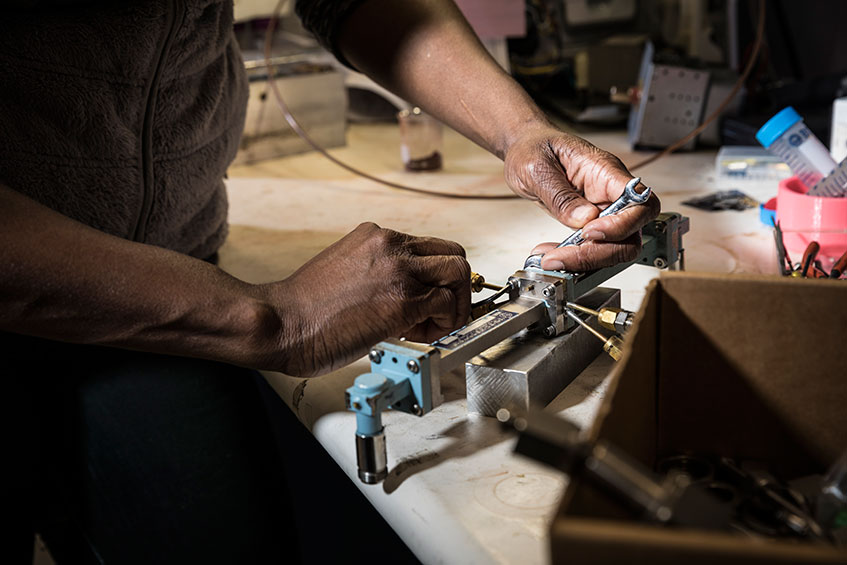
{"type": "Point", "coordinates": [477, 281]}
{"type": "Point", "coordinates": [615, 319]}
{"type": "Point", "coordinates": [614, 347]}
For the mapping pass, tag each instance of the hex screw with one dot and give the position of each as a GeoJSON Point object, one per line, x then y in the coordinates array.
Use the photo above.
{"type": "Point", "coordinates": [413, 367]}
{"type": "Point", "coordinates": [660, 262]}
{"type": "Point", "coordinates": [549, 291]}
{"type": "Point", "coordinates": [375, 356]}
{"type": "Point", "coordinates": [549, 331]}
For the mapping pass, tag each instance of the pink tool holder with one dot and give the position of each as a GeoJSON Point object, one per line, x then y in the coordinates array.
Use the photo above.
{"type": "Point", "coordinates": [811, 218]}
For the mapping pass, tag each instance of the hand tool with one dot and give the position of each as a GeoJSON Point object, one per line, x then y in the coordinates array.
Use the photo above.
{"type": "Point", "coordinates": [615, 319]}
{"type": "Point", "coordinates": [839, 267]}
{"type": "Point", "coordinates": [759, 484]}
{"type": "Point", "coordinates": [781, 253]}
{"type": "Point", "coordinates": [809, 257]}
{"type": "Point", "coordinates": [629, 198]}
{"type": "Point", "coordinates": [817, 270]}
{"type": "Point", "coordinates": [611, 345]}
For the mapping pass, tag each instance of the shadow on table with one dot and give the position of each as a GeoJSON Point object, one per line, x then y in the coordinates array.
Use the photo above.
{"type": "Point", "coordinates": [476, 432]}
{"type": "Point", "coordinates": [470, 435]}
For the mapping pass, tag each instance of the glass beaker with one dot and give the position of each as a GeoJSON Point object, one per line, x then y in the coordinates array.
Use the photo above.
{"type": "Point", "coordinates": [420, 140]}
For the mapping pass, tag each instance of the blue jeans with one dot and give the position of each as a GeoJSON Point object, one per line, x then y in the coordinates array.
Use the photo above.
{"type": "Point", "coordinates": [117, 456]}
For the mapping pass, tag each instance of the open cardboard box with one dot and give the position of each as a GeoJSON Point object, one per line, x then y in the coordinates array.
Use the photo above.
{"type": "Point", "coordinates": [750, 367]}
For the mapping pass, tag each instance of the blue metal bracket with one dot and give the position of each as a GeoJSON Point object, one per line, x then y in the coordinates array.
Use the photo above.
{"type": "Point", "coordinates": [401, 378]}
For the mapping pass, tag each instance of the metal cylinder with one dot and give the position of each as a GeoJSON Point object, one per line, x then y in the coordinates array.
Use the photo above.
{"type": "Point", "coordinates": [370, 455]}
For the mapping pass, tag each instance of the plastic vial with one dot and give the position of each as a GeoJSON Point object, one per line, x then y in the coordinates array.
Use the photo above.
{"type": "Point", "coordinates": [786, 136]}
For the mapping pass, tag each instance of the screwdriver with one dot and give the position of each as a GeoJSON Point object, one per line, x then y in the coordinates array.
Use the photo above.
{"type": "Point", "coordinates": [809, 257]}
{"type": "Point", "coordinates": [839, 267]}
{"type": "Point", "coordinates": [615, 319]}
{"type": "Point", "coordinates": [611, 345]}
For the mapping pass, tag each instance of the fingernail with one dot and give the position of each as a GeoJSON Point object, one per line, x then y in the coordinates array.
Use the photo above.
{"type": "Point", "coordinates": [594, 235]}
{"type": "Point", "coordinates": [583, 213]}
{"type": "Point", "coordinates": [554, 266]}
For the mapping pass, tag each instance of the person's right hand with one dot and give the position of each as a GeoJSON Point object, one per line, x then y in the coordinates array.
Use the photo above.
{"type": "Point", "coordinates": [372, 284]}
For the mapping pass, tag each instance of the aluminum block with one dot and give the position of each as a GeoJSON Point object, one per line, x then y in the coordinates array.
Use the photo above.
{"type": "Point", "coordinates": [530, 370]}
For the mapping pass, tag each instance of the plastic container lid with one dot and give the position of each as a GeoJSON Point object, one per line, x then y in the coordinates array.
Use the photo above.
{"type": "Point", "coordinates": [777, 125]}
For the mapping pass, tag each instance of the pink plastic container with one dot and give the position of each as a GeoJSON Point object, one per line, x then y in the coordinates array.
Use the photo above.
{"type": "Point", "coordinates": [811, 218]}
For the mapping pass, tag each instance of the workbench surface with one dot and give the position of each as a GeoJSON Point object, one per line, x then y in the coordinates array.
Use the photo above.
{"type": "Point", "coordinates": [455, 492]}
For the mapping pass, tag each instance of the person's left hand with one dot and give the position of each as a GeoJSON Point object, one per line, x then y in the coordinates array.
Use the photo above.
{"type": "Point", "coordinates": [574, 180]}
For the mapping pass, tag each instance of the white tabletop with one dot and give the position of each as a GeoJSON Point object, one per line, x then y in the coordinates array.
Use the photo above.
{"type": "Point", "coordinates": [457, 493]}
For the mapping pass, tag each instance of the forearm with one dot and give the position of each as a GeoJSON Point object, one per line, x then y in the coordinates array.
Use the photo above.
{"type": "Point", "coordinates": [65, 281]}
{"type": "Point", "coordinates": [426, 52]}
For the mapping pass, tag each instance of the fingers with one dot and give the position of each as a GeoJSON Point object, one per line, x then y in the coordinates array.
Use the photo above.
{"type": "Point", "coordinates": [600, 174]}
{"type": "Point", "coordinates": [610, 229]}
{"type": "Point", "coordinates": [591, 254]}
{"type": "Point", "coordinates": [390, 239]}
{"type": "Point", "coordinates": [433, 246]}
{"type": "Point", "coordinates": [623, 224]}
{"type": "Point", "coordinates": [569, 207]}
{"type": "Point", "coordinates": [441, 270]}
{"type": "Point", "coordinates": [441, 304]}
{"type": "Point", "coordinates": [557, 194]}
{"type": "Point", "coordinates": [445, 272]}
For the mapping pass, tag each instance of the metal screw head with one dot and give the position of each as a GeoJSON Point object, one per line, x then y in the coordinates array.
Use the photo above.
{"type": "Point", "coordinates": [549, 291]}
{"type": "Point", "coordinates": [549, 331]}
{"type": "Point", "coordinates": [660, 262]}
{"type": "Point", "coordinates": [375, 355]}
{"type": "Point", "coordinates": [417, 410]}
{"type": "Point", "coordinates": [413, 366]}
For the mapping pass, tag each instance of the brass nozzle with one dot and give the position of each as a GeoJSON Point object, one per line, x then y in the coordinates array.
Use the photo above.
{"type": "Point", "coordinates": [610, 317]}
{"type": "Point", "coordinates": [614, 347]}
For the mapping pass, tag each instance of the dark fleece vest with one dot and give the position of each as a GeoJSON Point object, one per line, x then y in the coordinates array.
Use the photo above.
{"type": "Point", "coordinates": [123, 115]}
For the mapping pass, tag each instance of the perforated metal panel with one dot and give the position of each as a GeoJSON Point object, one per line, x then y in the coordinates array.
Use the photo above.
{"type": "Point", "coordinates": [672, 102]}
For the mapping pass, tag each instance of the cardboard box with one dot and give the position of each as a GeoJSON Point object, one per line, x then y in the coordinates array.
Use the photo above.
{"type": "Point", "coordinates": [749, 367]}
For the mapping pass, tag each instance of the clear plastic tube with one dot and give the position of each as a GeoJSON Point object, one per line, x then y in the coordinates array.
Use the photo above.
{"type": "Point", "coordinates": [786, 136]}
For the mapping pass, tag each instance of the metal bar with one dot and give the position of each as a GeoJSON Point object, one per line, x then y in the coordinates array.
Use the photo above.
{"type": "Point", "coordinates": [530, 370]}
{"type": "Point", "coordinates": [488, 330]}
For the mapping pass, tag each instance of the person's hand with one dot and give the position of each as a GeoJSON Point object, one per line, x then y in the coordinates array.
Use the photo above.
{"type": "Point", "coordinates": [574, 180]}
{"type": "Point", "coordinates": [372, 284]}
